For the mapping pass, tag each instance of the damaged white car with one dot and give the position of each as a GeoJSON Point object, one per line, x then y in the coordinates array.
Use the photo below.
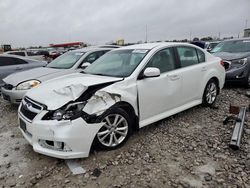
{"type": "Point", "coordinates": [124, 90]}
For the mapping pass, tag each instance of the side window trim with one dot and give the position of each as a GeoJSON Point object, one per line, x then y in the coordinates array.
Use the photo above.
{"type": "Point", "coordinates": [176, 64]}
{"type": "Point", "coordinates": [198, 56]}
{"type": "Point", "coordinates": [178, 57]}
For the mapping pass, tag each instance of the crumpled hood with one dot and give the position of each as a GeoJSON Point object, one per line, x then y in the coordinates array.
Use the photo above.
{"type": "Point", "coordinates": [59, 91]}
{"type": "Point", "coordinates": [231, 56]}
{"type": "Point", "coordinates": [41, 74]}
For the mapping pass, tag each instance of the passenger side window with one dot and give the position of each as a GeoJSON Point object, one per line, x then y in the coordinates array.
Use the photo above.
{"type": "Point", "coordinates": [201, 56]}
{"type": "Point", "coordinates": [163, 60]}
{"type": "Point", "coordinates": [94, 56]}
{"type": "Point", "coordinates": [187, 56]}
{"type": "Point", "coordinates": [7, 61]}
{"type": "Point", "coordinates": [18, 53]}
{"type": "Point", "coordinates": [20, 61]}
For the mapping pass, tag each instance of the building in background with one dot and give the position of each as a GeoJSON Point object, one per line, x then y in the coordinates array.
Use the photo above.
{"type": "Point", "coordinates": [71, 45]}
{"type": "Point", "coordinates": [120, 42]}
{"type": "Point", "coordinates": [5, 48]}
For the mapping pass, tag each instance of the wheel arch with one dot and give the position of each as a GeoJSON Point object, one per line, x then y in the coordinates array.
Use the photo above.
{"type": "Point", "coordinates": [131, 112]}
{"type": "Point", "coordinates": [217, 83]}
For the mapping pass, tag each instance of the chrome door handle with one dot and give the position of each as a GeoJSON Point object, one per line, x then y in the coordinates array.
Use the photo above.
{"type": "Point", "coordinates": [203, 68]}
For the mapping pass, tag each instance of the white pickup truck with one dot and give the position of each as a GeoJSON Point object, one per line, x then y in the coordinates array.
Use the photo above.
{"type": "Point", "coordinates": [29, 54]}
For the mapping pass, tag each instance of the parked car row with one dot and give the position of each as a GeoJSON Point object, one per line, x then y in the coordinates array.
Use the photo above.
{"type": "Point", "coordinates": [100, 96]}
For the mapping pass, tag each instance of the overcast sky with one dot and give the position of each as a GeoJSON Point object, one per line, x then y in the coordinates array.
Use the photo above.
{"type": "Point", "coordinates": [42, 22]}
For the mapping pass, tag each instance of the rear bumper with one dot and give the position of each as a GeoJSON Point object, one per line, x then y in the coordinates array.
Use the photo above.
{"type": "Point", "coordinates": [13, 96]}
{"type": "Point", "coordinates": [76, 135]}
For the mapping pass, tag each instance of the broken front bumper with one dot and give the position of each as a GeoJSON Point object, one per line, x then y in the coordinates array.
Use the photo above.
{"type": "Point", "coordinates": [60, 139]}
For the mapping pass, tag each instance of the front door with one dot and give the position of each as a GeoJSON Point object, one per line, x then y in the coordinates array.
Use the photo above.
{"type": "Point", "coordinates": [160, 94]}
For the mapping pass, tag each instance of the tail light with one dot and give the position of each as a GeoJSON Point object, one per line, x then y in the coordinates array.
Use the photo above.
{"type": "Point", "coordinates": [222, 63]}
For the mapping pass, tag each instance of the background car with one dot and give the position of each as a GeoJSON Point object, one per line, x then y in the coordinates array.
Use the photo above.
{"type": "Point", "coordinates": [16, 85]}
{"type": "Point", "coordinates": [236, 56]}
{"type": "Point", "coordinates": [124, 90]}
{"type": "Point", "coordinates": [37, 55]}
{"type": "Point", "coordinates": [209, 46]}
{"type": "Point", "coordinates": [205, 44]}
{"type": "Point", "coordinates": [11, 64]}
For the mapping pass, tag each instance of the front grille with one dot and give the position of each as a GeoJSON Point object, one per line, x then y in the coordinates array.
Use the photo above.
{"type": "Point", "coordinates": [8, 86]}
{"type": "Point", "coordinates": [30, 109]}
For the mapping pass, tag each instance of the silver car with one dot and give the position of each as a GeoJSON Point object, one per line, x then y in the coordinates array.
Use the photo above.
{"type": "Point", "coordinates": [16, 85]}
{"type": "Point", "coordinates": [11, 63]}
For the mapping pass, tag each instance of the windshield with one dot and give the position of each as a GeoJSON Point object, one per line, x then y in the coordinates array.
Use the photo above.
{"type": "Point", "coordinates": [66, 60]}
{"type": "Point", "coordinates": [119, 63]}
{"type": "Point", "coordinates": [235, 46]}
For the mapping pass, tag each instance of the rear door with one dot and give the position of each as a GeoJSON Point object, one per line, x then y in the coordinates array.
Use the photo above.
{"type": "Point", "coordinates": [159, 94]}
{"type": "Point", "coordinates": [192, 71]}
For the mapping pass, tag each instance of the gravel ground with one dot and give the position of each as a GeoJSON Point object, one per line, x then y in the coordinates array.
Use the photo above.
{"type": "Point", "coordinates": [189, 149]}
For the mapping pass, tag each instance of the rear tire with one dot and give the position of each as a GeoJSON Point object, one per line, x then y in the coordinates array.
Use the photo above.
{"type": "Point", "coordinates": [210, 93]}
{"type": "Point", "coordinates": [116, 130]}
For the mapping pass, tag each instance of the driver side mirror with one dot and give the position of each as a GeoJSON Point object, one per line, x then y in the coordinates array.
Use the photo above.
{"type": "Point", "coordinates": [151, 72]}
{"type": "Point", "coordinates": [209, 49]}
{"type": "Point", "coordinates": [85, 65]}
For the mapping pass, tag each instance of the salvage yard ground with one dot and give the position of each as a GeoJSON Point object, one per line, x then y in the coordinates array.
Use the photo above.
{"type": "Point", "coordinates": [189, 149]}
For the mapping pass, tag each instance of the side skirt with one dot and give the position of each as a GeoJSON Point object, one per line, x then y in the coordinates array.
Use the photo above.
{"type": "Point", "coordinates": [168, 113]}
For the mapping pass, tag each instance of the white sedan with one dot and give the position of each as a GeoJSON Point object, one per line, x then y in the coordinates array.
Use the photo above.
{"type": "Point", "coordinates": [126, 89]}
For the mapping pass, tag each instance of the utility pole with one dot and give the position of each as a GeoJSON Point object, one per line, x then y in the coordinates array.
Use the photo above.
{"type": "Point", "coordinates": [219, 35]}
{"type": "Point", "coordinates": [190, 35]}
{"type": "Point", "coordinates": [146, 34]}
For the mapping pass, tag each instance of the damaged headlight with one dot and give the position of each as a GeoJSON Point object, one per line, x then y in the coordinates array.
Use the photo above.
{"type": "Point", "coordinates": [27, 85]}
{"type": "Point", "coordinates": [68, 112]}
{"type": "Point", "coordinates": [240, 61]}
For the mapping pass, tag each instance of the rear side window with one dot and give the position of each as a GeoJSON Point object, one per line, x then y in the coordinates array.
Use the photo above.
{"type": "Point", "coordinates": [18, 53]}
{"type": "Point", "coordinates": [20, 61]}
{"type": "Point", "coordinates": [7, 61]}
{"type": "Point", "coordinates": [187, 56]}
{"type": "Point", "coordinates": [201, 56]}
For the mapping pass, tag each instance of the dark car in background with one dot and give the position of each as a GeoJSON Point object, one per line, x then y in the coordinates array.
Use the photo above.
{"type": "Point", "coordinates": [236, 56]}
{"type": "Point", "coordinates": [11, 63]}
{"type": "Point", "coordinates": [209, 46]}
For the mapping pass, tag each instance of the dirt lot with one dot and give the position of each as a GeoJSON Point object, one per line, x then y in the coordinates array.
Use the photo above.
{"type": "Point", "coordinates": [189, 149]}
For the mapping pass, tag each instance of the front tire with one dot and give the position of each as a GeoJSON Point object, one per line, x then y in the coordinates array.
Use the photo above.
{"type": "Point", "coordinates": [116, 130]}
{"type": "Point", "coordinates": [210, 93]}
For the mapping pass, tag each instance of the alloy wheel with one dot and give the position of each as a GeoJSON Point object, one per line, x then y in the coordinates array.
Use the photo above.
{"type": "Point", "coordinates": [211, 93]}
{"type": "Point", "coordinates": [114, 131]}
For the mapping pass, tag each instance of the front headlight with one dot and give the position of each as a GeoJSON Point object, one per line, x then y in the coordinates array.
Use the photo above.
{"type": "Point", "coordinates": [240, 61]}
{"type": "Point", "coordinates": [27, 85]}
{"type": "Point", "coordinates": [68, 112]}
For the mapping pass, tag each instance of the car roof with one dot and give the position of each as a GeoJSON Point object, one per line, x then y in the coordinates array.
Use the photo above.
{"type": "Point", "coordinates": [15, 51]}
{"type": "Point", "coordinates": [149, 46]}
{"type": "Point", "coordinates": [90, 48]}
{"type": "Point", "coordinates": [246, 38]}
{"type": "Point", "coordinates": [19, 57]}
